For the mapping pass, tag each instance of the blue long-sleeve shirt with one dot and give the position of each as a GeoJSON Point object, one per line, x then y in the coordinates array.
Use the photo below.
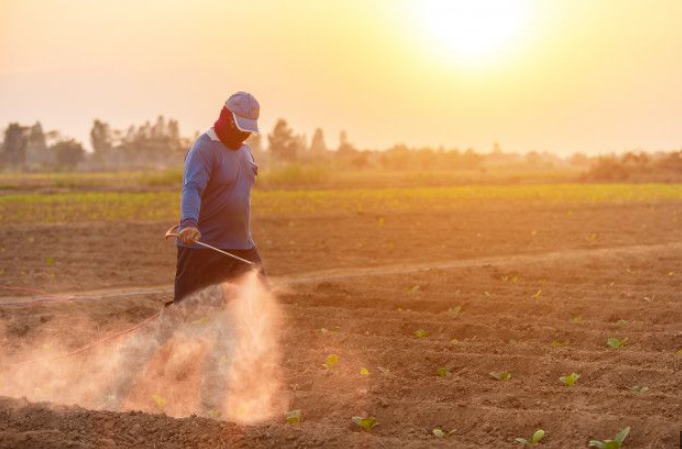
{"type": "Point", "coordinates": [216, 192]}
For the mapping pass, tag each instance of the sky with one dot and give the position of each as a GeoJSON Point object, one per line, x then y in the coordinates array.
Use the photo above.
{"type": "Point", "coordinates": [561, 76]}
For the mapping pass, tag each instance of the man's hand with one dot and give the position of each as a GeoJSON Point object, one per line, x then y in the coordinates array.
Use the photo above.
{"type": "Point", "coordinates": [189, 235]}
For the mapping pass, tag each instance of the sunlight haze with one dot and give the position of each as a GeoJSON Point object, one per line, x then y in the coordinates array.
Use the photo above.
{"type": "Point", "coordinates": [561, 76]}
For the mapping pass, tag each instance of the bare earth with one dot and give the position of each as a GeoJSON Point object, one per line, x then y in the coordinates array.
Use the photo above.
{"type": "Point", "coordinates": [533, 291]}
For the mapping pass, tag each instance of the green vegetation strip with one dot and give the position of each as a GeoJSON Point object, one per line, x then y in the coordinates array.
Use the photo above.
{"type": "Point", "coordinates": [105, 206]}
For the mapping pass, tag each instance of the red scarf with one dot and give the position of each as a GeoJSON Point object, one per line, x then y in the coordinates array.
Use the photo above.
{"type": "Point", "coordinates": [227, 130]}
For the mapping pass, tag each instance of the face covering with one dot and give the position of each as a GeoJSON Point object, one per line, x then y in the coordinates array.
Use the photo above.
{"type": "Point", "coordinates": [227, 130]}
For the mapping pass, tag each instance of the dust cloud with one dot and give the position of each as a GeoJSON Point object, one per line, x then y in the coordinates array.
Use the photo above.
{"type": "Point", "coordinates": [216, 354]}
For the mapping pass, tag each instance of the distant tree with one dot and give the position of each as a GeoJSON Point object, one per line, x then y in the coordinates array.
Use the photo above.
{"type": "Point", "coordinates": [14, 145]}
{"type": "Point", "coordinates": [301, 145]}
{"type": "Point", "coordinates": [101, 140]}
{"type": "Point", "coordinates": [533, 158]}
{"type": "Point", "coordinates": [579, 160]}
{"type": "Point", "coordinates": [282, 141]}
{"type": "Point", "coordinates": [317, 145]}
{"type": "Point", "coordinates": [68, 153]}
{"type": "Point", "coordinates": [159, 130]}
{"type": "Point", "coordinates": [345, 147]}
{"type": "Point", "coordinates": [38, 154]}
{"type": "Point", "coordinates": [174, 130]}
{"type": "Point", "coordinates": [255, 142]}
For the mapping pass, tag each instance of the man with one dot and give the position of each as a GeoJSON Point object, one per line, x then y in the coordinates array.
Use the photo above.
{"type": "Point", "coordinates": [216, 200]}
{"type": "Point", "coordinates": [215, 209]}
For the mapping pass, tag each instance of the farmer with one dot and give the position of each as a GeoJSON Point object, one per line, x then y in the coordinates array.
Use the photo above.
{"type": "Point", "coordinates": [216, 200]}
{"type": "Point", "coordinates": [215, 209]}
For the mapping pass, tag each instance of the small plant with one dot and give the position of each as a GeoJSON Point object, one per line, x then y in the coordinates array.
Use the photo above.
{"type": "Point", "coordinates": [616, 443]}
{"type": "Point", "coordinates": [559, 342]}
{"type": "Point", "coordinates": [570, 380]}
{"type": "Point", "coordinates": [421, 333]}
{"type": "Point", "coordinates": [537, 436]}
{"type": "Point", "coordinates": [364, 372]}
{"type": "Point", "coordinates": [49, 261]}
{"type": "Point", "coordinates": [366, 424]}
{"type": "Point", "coordinates": [577, 319]}
{"type": "Point", "coordinates": [455, 342]}
{"type": "Point", "coordinates": [456, 312]}
{"type": "Point", "coordinates": [214, 414]}
{"type": "Point", "coordinates": [160, 401]}
{"type": "Point", "coordinates": [442, 372]}
{"type": "Point", "coordinates": [293, 416]}
{"type": "Point", "coordinates": [616, 343]}
{"type": "Point", "coordinates": [679, 352]}
{"type": "Point", "coordinates": [621, 322]}
{"type": "Point", "coordinates": [501, 375]}
{"type": "Point", "coordinates": [639, 389]}
{"type": "Point", "coordinates": [537, 294]}
{"type": "Point", "coordinates": [440, 433]}
{"type": "Point", "coordinates": [330, 361]}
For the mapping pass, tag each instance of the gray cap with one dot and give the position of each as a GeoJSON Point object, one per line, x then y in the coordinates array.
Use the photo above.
{"type": "Point", "coordinates": [245, 110]}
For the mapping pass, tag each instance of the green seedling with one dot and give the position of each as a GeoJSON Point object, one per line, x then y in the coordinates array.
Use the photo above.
{"type": "Point", "coordinates": [333, 329]}
{"type": "Point", "coordinates": [214, 414]}
{"type": "Point", "coordinates": [621, 322]}
{"type": "Point", "coordinates": [616, 443]}
{"type": "Point", "coordinates": [455, 312]}
{"type": "Point", "coordinates": [679, 352]}
{"type": "Point", "coordinates": [455, 342]}
{"type": "Point", "coordinates": [570, 380]}
{"type": "Point", "coordinates": [414, 289]}
{"type": "Point", "coordinates": [330, 361]}
{"type": "Point", "coordinates": [577, 319]}
{"type": "Point", "coordinates": [639, 389]}
{"type": "Point", "coordinates": [49, 261]}
{"type": "Point", "coordinates": [501, 375]}
{"type": "Point", "coordinates": [366, 424]}
{"type": "Point", "coordinates": [440, 433]}
{"type": "Point", "coordinates": [616, 343]}
{"type": "Point", "coordinates": [293, 416]}
{"type": "Point", "coordinates": [537, 294]}
{"type": "Point", "coordinates": [364, 372]}
{"type": "Point", "coordinates": [559, 342]}
{"type": "Point", "coordinates": [442, 372]}
{"type": "Point", "coordinates": [421, 333]}
{"type": "Point", "coordinates": [159, 401]}
{"type": "Point", "coordinates": [537, 436]}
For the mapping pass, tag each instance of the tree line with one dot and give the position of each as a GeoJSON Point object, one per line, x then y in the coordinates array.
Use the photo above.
{"type": "Point", "coordinates": [159, 144]}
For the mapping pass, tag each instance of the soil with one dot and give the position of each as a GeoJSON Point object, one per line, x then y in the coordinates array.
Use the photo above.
{"type": "Point", "coordinates": [594, 273]}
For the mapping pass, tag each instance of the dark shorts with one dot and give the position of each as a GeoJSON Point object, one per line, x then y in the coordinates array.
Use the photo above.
{"type": "Point", "coordinates": [200, 267]}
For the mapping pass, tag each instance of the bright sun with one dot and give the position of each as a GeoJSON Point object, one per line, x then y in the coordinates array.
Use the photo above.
{"type": "Point", "coordinates": [473, 30]}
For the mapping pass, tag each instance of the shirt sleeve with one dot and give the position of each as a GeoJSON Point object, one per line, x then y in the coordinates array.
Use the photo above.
{"type": "Point", "coordinates": [198, 166]}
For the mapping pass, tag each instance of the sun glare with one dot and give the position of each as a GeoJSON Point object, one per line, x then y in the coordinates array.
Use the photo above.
{"type": "Point", "coordinates": [473, 30]}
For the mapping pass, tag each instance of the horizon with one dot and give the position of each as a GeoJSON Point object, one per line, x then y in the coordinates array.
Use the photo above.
{"type": "Point", "coordinates": [562, 78]}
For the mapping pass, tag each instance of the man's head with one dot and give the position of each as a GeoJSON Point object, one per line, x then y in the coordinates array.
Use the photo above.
{"type": "Point", "coordinates": [245, 111]}
{"type": "Point", "coordinates": [238, 119]}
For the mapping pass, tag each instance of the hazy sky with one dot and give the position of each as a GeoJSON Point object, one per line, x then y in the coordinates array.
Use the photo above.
{"type": "Point", "coordinates": [559, 75]}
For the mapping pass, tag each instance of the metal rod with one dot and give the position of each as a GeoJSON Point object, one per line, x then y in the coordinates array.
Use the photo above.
{"type": "Point", "coordinates": [172, 232]}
